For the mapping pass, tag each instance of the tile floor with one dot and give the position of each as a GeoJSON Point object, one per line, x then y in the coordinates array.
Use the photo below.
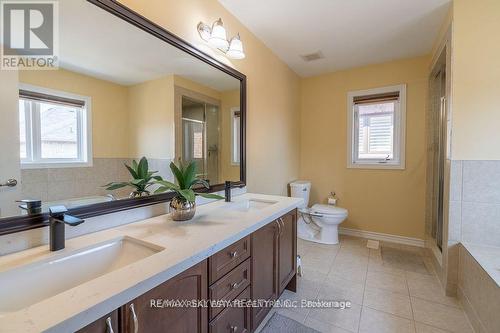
{"type": "Point", "coordinates": [384, 298]}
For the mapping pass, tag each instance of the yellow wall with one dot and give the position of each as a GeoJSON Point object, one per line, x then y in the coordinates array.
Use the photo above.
{"type": "Point", "coordinates": [229, 100]}
{"type": "Point", "coordinates": [109, 107]}
{"type": "Point", "coordinates": [151, 112]}
{"type": "Point", "coordinates": [475, 77]}
{"type": "Point", "coordinates": [273, 90]}
{"type": "Point", "coordinates": [386, 201]}
{"type": "Point", "coordinates": [194, 86]}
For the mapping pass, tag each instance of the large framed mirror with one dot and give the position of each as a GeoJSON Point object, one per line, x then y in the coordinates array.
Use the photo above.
{"type": "Point", "coordinates": [125, 90]}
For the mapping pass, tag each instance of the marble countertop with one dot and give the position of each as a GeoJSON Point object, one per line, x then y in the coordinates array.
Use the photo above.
{"type": "Point", "coordinates": [186, 243]}
{"type": "Point", "coordinates": [488, 257]}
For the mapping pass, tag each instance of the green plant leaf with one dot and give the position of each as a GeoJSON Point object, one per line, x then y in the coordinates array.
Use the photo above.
{"type": "Point", "coordinates": [114, 186]}
{"type": "Point", "coordinates": [210, 196]}
{"type": "Point", "coordinates": [178, 175]}
{"type": "Point", "coordinates": [168, 185]}
{"type": "Point", "coordinates": [151, 173]}
{"type": "Point", "coordinates": [162, 189]}
{"type": "Point", "coordinates": [190, 174]}
{"type": "Point", "coordinates": [138, 181]}
{"type": "Point", "coordinates": [134, 165]}
{"type": "Point", "coordinates": [132, 172]}
{"type": "Point", "coordinates": [142, 169]}
{"type": "Point", "coordinates": [188, 194]}
{"type": "Point", "coordinates": [157, 178]}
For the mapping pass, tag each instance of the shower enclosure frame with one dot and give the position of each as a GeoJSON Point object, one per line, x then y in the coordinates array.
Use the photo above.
{"type": "Point", "coordinates": [434, 207]}
{"type": "Point", "coordinates": [179, 94]}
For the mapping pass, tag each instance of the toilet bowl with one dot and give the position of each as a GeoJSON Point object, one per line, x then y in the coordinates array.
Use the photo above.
{"type": "Point", "coordinates": [320, 222]}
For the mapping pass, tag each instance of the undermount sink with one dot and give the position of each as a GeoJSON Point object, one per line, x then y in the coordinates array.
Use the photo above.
{"type": "Point", "coordinates": [250, 204]}
{"type": "Point", "coordinates": [25, 285]}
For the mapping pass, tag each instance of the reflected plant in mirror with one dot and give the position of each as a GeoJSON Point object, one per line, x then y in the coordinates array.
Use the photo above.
{"type": "Point", "coordinates": [71, 129]}
{"type": "Point", "coordinates": [142, 179]}
{"type": "Point", "coordinates": [183, 205]}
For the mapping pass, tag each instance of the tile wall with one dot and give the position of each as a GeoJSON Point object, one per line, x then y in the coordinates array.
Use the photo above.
{"type": "Point", "coordinates": [54, 184]}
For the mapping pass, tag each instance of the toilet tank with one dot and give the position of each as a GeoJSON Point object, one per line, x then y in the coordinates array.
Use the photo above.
{"type": "Point", "coordinates": [301, 189]}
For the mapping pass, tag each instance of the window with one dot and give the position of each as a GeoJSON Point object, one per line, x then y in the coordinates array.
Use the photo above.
{"type": "Point", "coordinates": [54, 128]}
{"type": "Point", "coordinates": [376, 123]}
{"type": "Point", "coordinates": [235, 135]}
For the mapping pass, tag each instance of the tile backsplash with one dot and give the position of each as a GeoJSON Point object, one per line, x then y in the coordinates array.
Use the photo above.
{"type": "Point", "coordinates": [475, 202]}
{"type": "Point", "coordinates": [52, 184]}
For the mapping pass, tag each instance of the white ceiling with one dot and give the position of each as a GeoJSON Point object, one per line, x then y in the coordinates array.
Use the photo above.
{"type": "Point", "coordinates": [349, 33]}
{"type": "Point", "coordinates": [96, 43]}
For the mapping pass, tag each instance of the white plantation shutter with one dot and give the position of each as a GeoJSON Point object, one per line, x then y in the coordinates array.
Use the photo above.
{"type": "Point", "coordinates": [375, 134]}
{"type": "Point", "coordinates": [381, 134]}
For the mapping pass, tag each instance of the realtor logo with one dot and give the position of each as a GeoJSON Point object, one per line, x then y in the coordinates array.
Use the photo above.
{"type": "Point", "coordinates": [29, 37]}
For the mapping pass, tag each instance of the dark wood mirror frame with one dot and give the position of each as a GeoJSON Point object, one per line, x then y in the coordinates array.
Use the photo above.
{"type": "Point", "coordinates": [14, 224]}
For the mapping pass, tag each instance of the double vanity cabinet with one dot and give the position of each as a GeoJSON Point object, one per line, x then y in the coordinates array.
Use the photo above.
{"type": "Point", "coordinates": [256, 269]}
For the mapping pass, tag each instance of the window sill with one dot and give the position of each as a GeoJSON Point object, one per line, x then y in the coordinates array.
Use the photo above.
{"type": "Point", "coordinates": [380, 166]}
{"type": "Point", "coordinates": [55, 165]}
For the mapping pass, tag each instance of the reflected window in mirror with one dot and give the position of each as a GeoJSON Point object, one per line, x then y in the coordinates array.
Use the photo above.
{"type": "Point", "coordinates": [79, 125]}
{"type": "Point", "coordinates": [54, 128]}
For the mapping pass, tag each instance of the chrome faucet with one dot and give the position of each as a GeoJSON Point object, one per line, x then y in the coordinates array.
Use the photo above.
{"type": "Point", "coordinates": [57, 220]}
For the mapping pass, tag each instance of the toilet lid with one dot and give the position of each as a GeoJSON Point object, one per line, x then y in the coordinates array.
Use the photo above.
{"type": "Point", "coordinates": [328, 209]}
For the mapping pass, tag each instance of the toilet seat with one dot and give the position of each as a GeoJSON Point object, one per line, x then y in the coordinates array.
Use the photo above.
{"type": "Point", "coordinates": [328, 210]}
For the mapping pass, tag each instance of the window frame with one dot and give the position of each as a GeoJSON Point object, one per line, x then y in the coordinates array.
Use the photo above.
{"type": "Point", "coordinates": [234, 137]}
{"type": "Point", "coordinates": [84, 123]}
{"type": "Point", "coordinates": [398, 161]}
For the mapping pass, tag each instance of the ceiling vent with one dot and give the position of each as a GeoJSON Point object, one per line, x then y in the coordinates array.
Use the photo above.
{"type": "Point", "coordinates": [312, 56]}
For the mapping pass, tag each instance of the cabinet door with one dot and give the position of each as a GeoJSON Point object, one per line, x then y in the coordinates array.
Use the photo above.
{"type": "Point", "coordinates": [139, 316]}
{"type": "Point", "coordinates": [106, 324]}
{"type": "Point", "coordinates": [287, 250]}
{"type": "Point", "coordinates": [264, 281]}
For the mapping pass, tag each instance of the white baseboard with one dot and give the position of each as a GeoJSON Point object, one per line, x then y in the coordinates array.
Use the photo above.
{"type": "Point", "coordinates": [382, 237]}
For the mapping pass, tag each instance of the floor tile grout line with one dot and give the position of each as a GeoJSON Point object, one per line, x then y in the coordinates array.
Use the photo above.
{"type": "Point", "coordinates": [436, 302]}
{"type": "Point", "coordinates": [364, 291]}
{"type": "Point", "coordinates": [370, 260]}
{"type": "Point", "coordinates": [433, 326]}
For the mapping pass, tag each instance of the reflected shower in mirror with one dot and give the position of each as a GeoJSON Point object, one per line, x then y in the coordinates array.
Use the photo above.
{"type": "Point", "coordinates": [206, 132]}
{"type": "Point", "coordinates": [119, 94]}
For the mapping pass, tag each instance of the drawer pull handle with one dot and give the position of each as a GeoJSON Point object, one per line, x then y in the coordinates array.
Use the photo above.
{"type": "Point", "coordinates": [134, 318]}
{"type": "Point", "coordinates": [234, 329]}
{"type": "Point", "coordinates": [109, 325]}
{"type": "Point", "coordinates": [236, 285]}
{"type": "Point", "coordinates": [233, 254]}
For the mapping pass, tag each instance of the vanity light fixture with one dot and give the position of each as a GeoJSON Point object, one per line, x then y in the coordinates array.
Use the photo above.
{"type": "Point", "coordinates": [216, 36]}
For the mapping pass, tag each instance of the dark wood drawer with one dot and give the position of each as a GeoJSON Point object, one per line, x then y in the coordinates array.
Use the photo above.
{"type": "Point", "coordinates": [232, 319]}
{"type": "Point", "coordinates": [229, 286]}
{"type": "Point", "coordinates": [224, 261]}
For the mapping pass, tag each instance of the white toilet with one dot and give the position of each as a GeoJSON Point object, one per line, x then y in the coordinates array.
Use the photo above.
{"type": "Point", "coordinates": [320, 222]}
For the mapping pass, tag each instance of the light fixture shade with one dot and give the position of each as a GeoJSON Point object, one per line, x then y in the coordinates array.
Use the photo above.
{"type": "Point", "coordinates": [218, 36]}
{"type": "Point", "coordinates": [205, 31]}
{"type": "Point", "coordinates": [236, 48]}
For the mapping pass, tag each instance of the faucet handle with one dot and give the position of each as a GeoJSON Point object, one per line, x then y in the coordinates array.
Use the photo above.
{"type": "Point", "coordinates": [72, 220]}
{"type": "Point", "coordinates": [57, 211]}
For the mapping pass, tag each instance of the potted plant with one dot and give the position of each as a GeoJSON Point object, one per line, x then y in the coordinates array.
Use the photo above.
{"type": "Point", "coordinates": [183, 205]}
{"type": "Point", "coordinates": [142, 179]}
